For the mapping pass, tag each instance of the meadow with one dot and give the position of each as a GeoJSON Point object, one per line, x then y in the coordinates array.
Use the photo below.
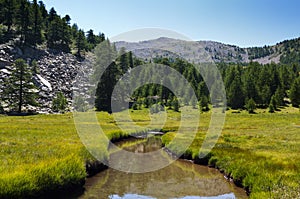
{"type": "Point", "coordinates": [43, 153]}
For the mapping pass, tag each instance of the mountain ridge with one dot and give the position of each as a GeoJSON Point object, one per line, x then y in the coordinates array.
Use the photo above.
{"type": "Point", "coordinates": [219, 52]}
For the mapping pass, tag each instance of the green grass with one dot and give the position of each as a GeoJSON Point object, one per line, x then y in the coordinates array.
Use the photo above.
{"type": "Point", "coordinates": [259, 151]}
{"type": "Point", "coordinates": [43, 152]}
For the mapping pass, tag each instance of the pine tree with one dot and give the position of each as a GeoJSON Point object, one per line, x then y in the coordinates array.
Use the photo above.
{"type": "Point", "coordinates": [80, 42]}
{"type": "Point", "coordinates": [59, 103]}
{"type": "Point", "coordinates": [235, 94]}
{"type": "Point", "coordinates": [105, 89]}
{"type": "Point", "coordinates": [273, 102]}
{"type": "Point", "coordinates": [37, 24]}
{"type": "Point", "coordinates": [52, 14]}
{"type": "Point", "coordinates": [19, 87]}
{"type": "Point", "coordinates": [164, 91]}
{"type": "Point", "coordinates": [250, 106]}
{"type": "Point", "coordinates": [130, 60]}
{"type": "Point", "coordinates": [175, 104]}
{"type": "Point", "coordinates": [271, 108]}
{"type": "Point", "coordinates": [265, 95]}
{"type": "Point", "coordinates": [58, 34]}
{"type": "Point", "coordinates": [279, 96]}
{"type": "Point", "coordinates": [35, 67]}
{"type": "Point", "coordinates": [9, 8]}
{"type": "Point", "coordinates": [123, 61]}
{"type": "Point", "coordinates": [250, 89]}
{"type": "Point", "coordinates": [106, 75]}
{"type": "Point", "coordinates": [203, 103]}
{"type": "Point", "coordinates": [23, 20]}
{"type": "Point", "coordinates": [295, 92]}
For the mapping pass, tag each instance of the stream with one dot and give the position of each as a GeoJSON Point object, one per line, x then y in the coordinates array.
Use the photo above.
{"type": "Point", "coordinates": [181, 179]}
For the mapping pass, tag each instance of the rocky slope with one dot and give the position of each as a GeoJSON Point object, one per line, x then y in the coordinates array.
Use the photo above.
{"type": "Point", "coordinates": [57, 72]}
{"type": "Point", "coordinates": [202, 51]}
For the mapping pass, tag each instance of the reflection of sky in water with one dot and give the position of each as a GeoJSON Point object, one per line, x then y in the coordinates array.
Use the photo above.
{"type": "Point", "coordinates": [130, 196]}
{"type": "Point", "coordinates": [135, 196]}
{"type": "Point", "coordinates": [180, 180]}
{"type": "Point", "coordinates": [225, 196]}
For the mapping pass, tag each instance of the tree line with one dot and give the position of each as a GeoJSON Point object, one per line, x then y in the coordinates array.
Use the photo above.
{"type": "Point", "coordinates": [266, 86]}
{"type": "Point", "coordinates": [248, 85]}
{"type": "Point", "coordinates": [32, 24]}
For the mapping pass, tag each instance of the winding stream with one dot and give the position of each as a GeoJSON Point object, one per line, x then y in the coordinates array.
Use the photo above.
{"type": "Point", "coordinates": [182, 179]}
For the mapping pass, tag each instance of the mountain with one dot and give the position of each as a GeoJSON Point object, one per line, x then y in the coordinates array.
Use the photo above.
{"type": "Point", "coordinates": [202, 51]}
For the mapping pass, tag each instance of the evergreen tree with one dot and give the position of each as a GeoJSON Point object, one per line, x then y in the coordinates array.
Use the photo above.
{"type": "Point", "coordinates": [295, 92]}
{"type": "Point", "coordinates": [265, 95]}
{"type": "Point", "coordinates": [19, 87]}
{"type": "Point", "coordinates": [80, 42]}
{"type": "Point", "coordinates": [67, 18]}
{"type": "Point", "coordinates": [130, 60]}
{"type": "Point", "coordinates": [59, 103]}
{"type": "Point", "coordinates": [74, 31]}
{"type": "Point", "coordinates": [52, 14]}
{"type": "Point", "coordinates": [9, 8]}
{"type": "Point", "coordinates": [35, 68]}
{"type": "Point", "coordinates": [43, 10]}
{"type": "Point", "coordinates": [271, 108]}
{"type": "Point", "coordinates": [286, 76]}
{"type": "Point", "coordinates": [203, 103]}
{"type": "Point", "coordinates": [175, 104]}
{"type": "Point", "coordinates": [250, 89]}
{"type": "Point", "coordinates": [165, 93]}
{"type": "Point", "coordinates": [250, 106]}
{"type": "Point", "coordinates": [91, 37]}
{"type": "Point", "coordinates": [273, 102]}
{"type": "Point", "coordinates": [58, 34]}
{"type": "Point", "coordinates": [279, 96]}
{"type": "Point", "coordinates": [235, 94]}
{"type": "Point", "coordinates": [23, 20]}
{"type": "Point", "coordinates": [37, 24]}
{"type": "Point", "coordinates": [105, 89]}
{"type": "Point", "coordinates": [123, 61]}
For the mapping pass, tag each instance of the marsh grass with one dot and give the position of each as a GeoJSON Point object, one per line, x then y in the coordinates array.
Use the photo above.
{"type": "Point", "coordinates": [260, 151]}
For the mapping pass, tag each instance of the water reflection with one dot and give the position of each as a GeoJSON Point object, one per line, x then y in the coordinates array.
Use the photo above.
{"type": "Point", "coordinates": [180, 180]}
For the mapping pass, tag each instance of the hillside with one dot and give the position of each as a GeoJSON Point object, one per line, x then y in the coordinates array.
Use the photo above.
{"type": "Point", "coordinates": [56, 72]}
{"type": "Point", "coordinates": [286, 51]}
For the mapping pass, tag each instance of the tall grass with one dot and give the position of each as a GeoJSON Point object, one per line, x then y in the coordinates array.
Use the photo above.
{"type": "Point", "coordinates": [260, 152]}
{"type": "Point", "coordinates": [43, 153]}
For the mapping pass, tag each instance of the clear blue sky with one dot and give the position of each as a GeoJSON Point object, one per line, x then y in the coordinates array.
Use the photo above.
{"type": "Point", "coordinates": [238, 22]}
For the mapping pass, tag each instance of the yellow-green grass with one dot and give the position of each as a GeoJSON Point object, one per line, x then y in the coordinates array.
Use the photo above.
{"type": "Point", "coordinates": [43, 152]}
{"type": "Point", "coordinates": [259, 151]}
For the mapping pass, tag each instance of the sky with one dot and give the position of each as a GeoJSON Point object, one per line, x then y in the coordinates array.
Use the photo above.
{"type": "Point", "coordinates": [245, 23]}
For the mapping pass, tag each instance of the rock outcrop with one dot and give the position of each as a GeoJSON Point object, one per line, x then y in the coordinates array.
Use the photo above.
{"type": "Point", "coordinates": [56, 72]}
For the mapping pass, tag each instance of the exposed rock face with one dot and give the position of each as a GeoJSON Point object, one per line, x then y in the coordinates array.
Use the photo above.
{"type": "Point", "coordinates": [56, 72]}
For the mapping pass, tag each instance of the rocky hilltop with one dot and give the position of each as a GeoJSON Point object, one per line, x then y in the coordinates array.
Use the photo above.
{"type": "Point", "coordinates": [56, 72]}
{"type": "Point", "coordinates": [194, 51]}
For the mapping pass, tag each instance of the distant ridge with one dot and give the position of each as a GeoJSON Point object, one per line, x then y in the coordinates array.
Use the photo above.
{"type": "Point", "coordinates": [287, 51]}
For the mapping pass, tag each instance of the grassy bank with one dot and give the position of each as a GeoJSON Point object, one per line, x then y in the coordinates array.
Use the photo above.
{"type": "Point", "coordinates": [260, 152]}
{"type": "Point", "coordinates": [43, 153]}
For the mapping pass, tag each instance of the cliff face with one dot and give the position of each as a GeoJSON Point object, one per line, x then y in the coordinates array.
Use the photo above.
{"type": "Point", "coordinates": [56, 72]}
